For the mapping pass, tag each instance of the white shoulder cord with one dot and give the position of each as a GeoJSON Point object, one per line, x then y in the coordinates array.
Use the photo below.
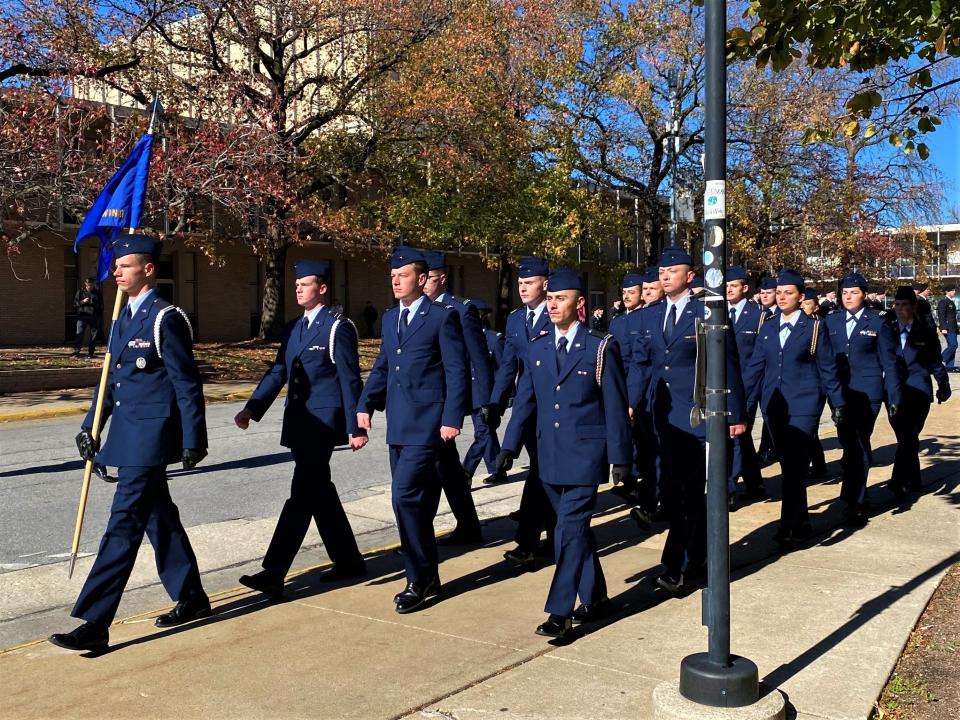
{"type": "Point", "coordinates": [159, 320]}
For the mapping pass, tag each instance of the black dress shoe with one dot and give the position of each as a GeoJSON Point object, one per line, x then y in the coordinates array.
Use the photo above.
{"type": "Point", "coordinates": [415, 596]}
{"type": "Point", "coordinates": [590, 612]}
{"type": "Point", "coordinates": [642, 518]}
{"type": "Point", "coordinates": [524, 558]}
{"type": "Point", "coordinates": [515, 516]}
{"type": "Point", "coordinates": [461, 537]}
{"type": "Point", "coordinates": [185, 611]}
{"type": "Point", "coordinates": [545, 549]}
{"type": "Point", "coordinates": [755, 494]}
{"type": "Point", "coordinates": [556, 626]}
{"type": "Point", "coordinates": [855, 516]}
{"type": "Point", "coordinates": [266, 582]}
{"type": "Point", "coordinates": [344, 571]}
{"type": "Point", "coordinates": [817, 471]}
{"type": "Point", "coordinates": [495, 478]}
{"type": "Point", "coordinates": [88, 637]}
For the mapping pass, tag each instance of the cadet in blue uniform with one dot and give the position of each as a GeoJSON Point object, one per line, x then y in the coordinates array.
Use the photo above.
{"type": "Point", "coordinates": [745, 319]}
{"type": "Point", "coordinates": [155, 396]}
{"type": "Point", "coordinates": [573, 385]}
{"type": "Point", "coordinates": [524, 325]}
{"type": "Point", "coordinates": [791, 367]}
{"type": "Point", "coordinates": [766, 453]}
{"type": "Point", "coordinates": [918, 357]}
{"type": "Point", "coordinates": [661, 381]}
{"type": "Point", "coordinates": [419, 378]}
{"type": "Point", "coordinates": [631, 288]}
{"type": "Point", "coordinates": [486, 445]}
{"type": "Point", "coordinates": [865, 350]}
{"type": "Point", "coordinates": [479, 378]}
{"type": "Point", "coordinates": [319, 364]}
{"type": "Point", "coordinates": [818, 462]}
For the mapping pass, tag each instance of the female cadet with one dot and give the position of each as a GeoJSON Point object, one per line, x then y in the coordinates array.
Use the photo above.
{"type": "Point", "coordinates": [791, 367]}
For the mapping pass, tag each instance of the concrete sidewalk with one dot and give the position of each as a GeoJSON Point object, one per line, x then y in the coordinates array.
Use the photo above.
{"type": "Point", "coordinates": [57, 403]}
{"type": "Point", "coordinates": [825, 624]}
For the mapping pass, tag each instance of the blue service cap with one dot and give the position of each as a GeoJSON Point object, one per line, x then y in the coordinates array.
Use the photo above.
{"type": "Point", "coordinates": [404, 255]}
{"type": "Point", "coordinates": [306, 268]}
{"type": "Point", "coordinates": [674, 256]}
{"type": "Point", "coordinates": [480, 305]}
{"type": "Point", "coordinates": [906, 292]}
{"type": "Point", "coordinates": [137, 244]}
{"type": "Point", "coordinates": [736, 272]}
{"type": "Point", "coordinates": [631, 279]}
{"type": "Point", "coordinates": [697, 281]}
{"type": "Point", "coordinates": [533, 267]}
{"type": "Point", "coordinates": [854, 280]}
{"type": "Point", "coordinates": [790, 277]}
{"type": "Point", "coordinates": [436, 260]}
{"type": "Point", "coordinates": [564, 279]}
{"type": "Point", "coordinates": [810, 295]}
{"type": "Point", "coordinates": [652, 275]}
{"type": "Point", "coordinates": [768, 283]}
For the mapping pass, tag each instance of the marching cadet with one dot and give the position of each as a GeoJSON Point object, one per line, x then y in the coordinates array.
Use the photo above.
{"type": "Point", "coordinates": [791, 367]}
{"type": "Point", "coordinates": [524, 325]}
{"type": "Point", "coordinates": [419, 378]}
{"type": "Point", "coordinates": [453, 479]}
{"type": "Point", "coordinates": [319, 364]}
{"type": "Point", "coordinates": [631, 292]}
{"type": "Point", "coordinates": [923, 311]}
{"type": "Point", "coordinates": [829, 303]}
{"type": "Point", "coordinates": [573, 386]}
{"type": "Point", "coordinates": [661, 381]}
{"type": "Point", "coordinates": [766, 453]}
{"type": "Point", "coordinates": [864, 347]}
{"type": "Point", "coordinates": [918, 357]}
{"type": "Point", "coordinates": [486, 445]}
{"type": "Point", "coordinates": [818, 461]}
{"type": "Point", "coordinates": [651, 290]}
{"type": "Point", "coordinates": [745, 319]}
{"type": "Point", "coordinates": [154, 395]}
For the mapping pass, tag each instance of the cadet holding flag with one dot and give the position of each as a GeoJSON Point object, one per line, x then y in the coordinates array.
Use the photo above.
{"type": "Point", "coordinates": [319, 364]}
{"type": "Point", "coordinates": [573, 385]}
{"type": "Point", "coordinates": [420, 379]}
{"type": "Point", "coordinates": [154, 395]}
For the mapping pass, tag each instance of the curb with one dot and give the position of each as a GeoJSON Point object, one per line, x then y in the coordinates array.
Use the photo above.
{"type": "Point", "coordinates": [80, 409]}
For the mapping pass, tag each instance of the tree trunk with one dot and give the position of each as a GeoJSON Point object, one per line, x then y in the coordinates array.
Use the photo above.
{"type": "Point", "coordinates": [274, 280]}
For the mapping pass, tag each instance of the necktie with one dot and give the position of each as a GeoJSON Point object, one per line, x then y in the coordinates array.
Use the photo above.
{"type": "Point", "coordinates": [304, 326]}
{"type": "Point", "coordinates": [904, 333]}
{"type": "Point", "coordinates": [402, 328]}
{"type": "Point", "coordinates": [530, 316]}
{"type": "Point", "coordinates": [125, 318]}
{"type": "Point", "coordinates": [671, 322]}
{"type": "Point", "coordinates": [561, 353]}
{"type": "Point", "coordinates": [785, 329]}
{"type": "Point", "coordinates": [851, 321]}
{"type": "Point", "coordinates": [733, 316]}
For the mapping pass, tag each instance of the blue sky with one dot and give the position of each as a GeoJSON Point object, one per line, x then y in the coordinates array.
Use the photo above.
{"type": "Point", "coordinates": [945, 154]}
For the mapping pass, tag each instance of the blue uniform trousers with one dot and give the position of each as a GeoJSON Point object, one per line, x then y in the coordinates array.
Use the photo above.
{"type": "Point", "coordinates": [647, 461]}
{"type": "Point", "coordinates": [456, 487]}
{"type": "Point", "coordinates": [745, 463]}
{"type": "Point", "coordinates": [416, 496]}
{"type": "Point", "coordinates": [536, 513]}
{"type": "Point", "coordinates": [949, 355]}
{"type": "Point", "coordinates": [312, 495]}
{"type": "Point", "coordinates": [682, 494]}
{"type": "Point", "coordinates": [578, 571]}
{"type": "Point", "coordinates": [793, 438]}
{"type": "Point", "coordinates": [907, 425]}
{"type": "Point", "coordinates": [854, 436]}
{"type": "Point", "coordinates": [485, 446]}
{"type": "Point", "coordinates": [141, 503]}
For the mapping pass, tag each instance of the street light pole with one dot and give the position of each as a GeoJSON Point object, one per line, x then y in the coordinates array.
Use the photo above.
{"type": "Point", "coordinates": [716, 677]}
{"type": "Point", "coordinates": [673, 138]}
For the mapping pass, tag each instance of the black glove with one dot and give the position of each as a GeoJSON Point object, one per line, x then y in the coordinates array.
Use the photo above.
{"type": "Point", "coordinates": [839, 415]}
{"type": "Point", "coordinates": [102, 473]}
{"type": "Point", "coordinates": [943, 394]}
{"type": "Point", "coordinates": [87, 446]}
{"type": "Point", "coordinates": [504, 461]}
{"type": "Point", "coordinates": [620, 473]}
{"type": "Point", "coordinates": [191, 457]}
{"type": "Point", "coordinates": [892, 411]}
{"type": "Point", "coordinates": [490, 414]}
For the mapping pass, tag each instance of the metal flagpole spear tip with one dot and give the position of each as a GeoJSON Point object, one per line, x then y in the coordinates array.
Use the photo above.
{"type": "Point", "coordinates": [73, 561]}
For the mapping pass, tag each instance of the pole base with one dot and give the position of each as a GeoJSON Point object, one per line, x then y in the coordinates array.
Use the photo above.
{"type": "Point", "coordinates": [708, 683]}
{"type": "Point", "coordinates": [669, 704]}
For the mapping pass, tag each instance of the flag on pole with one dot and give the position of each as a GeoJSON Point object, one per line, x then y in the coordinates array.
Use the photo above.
{"type": "Point", "coordinates": [119, 204]}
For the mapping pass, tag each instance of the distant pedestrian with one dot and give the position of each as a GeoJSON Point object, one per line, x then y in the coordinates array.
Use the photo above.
{"type": "Point", "coordinates": [947, 324]}
{"type": "Point", "coordinates": [88, 304]}
{"type": "Point", "coordinates": [370, 319]}
{"type": "Point", "coordinates": [598, 320]}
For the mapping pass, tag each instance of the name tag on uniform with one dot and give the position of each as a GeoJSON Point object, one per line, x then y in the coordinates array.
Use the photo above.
{"type": "Point", "coordinates": [139, 344]}
{"type": "Point", "coordinates": [317, 347]}
{"type": "Point", "coordinates": [869, 333]}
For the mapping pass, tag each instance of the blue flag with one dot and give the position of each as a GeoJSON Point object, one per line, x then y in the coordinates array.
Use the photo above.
{"type": "Point", "coordinates": [118, 206]}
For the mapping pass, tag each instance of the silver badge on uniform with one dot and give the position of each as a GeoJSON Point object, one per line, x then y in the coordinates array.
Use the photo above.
{"type": "Point", "coordinates": [141, 362]}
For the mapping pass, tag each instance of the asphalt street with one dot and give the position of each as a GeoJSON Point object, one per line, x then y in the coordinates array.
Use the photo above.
{"type": "Point", "coordinates": [245, 476]}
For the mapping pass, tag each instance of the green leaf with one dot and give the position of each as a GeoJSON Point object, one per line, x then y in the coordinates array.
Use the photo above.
{"type": "Point", "coordinates": [870, 131]}
{"type": "Point", "coordinates": [926, 125]}
{"type": "Point", "coordinates": [851, 128]}
{"type": "Point", "coordinates": [908, 148]}
{"type": "Point", "coordinates": [923, 151]}
{"type": "Point", "coordinates": [895, 139]}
